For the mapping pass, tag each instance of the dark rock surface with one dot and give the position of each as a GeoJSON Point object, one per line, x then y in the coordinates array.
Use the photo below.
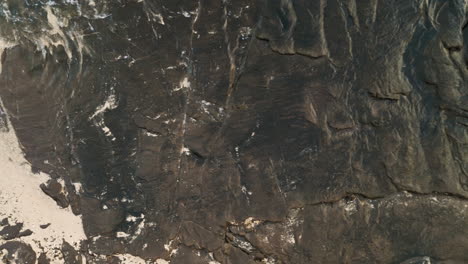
{"type": "Point", "coordinates": [268, 131]}
{"type": "Point", "coordinates": [4, 222]}
{"type": "Point", "coordinates": [55, 190]}
{"type": "Point", "coordinates": [17, 252]}
{"type": "Point", "coordinates": [43, 259]}
{"type": "Point", "coordinates": [70, 255]}
{"type": "Point", "coordinates": [44, 226]}
{"type": "Point", "coordinates": [11, 231]}
{"type": "Point", "coordinates": [26, 232]}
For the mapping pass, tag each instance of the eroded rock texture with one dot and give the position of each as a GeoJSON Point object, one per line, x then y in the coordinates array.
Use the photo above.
{"type": "Point", "coordinates": [247, 131]}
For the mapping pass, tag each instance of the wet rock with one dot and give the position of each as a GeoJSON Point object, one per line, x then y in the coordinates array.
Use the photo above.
{"type": "Point", "coordinates": [100, 220]}
{"type": "Point", "coordinates": [237, 255]}
{"type": "Point", "coordinates": [292, 131]}
{"type": "Point", "coordinates": [4, 222]}
{"type": "Point", "coordinates": [26, 232]}
{"type": "Point", "coordinates": [18, 252]}
{"type": "Point", "coordinates": [56, 191]}
{"type": "Point", "coordinates": [3, 121]}
{"type": "Point", "coordinates": [43, 259]}
{"type": "Point", "coordinates": [419, 260]}
{"type": "Point", "coordinates": [75, 202]}
{"type": "Point", "coordinates": [70, 255]}
{"type": "Point", "coordinates": [11, 231]}
{"type": "Point", "coordinates": [188, 255]}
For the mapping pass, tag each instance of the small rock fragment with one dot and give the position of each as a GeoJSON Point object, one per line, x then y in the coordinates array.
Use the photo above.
{"type": "Point", "coordinates": [44, 226]}
{"type": "Point", "coordinates": [55, 191]}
